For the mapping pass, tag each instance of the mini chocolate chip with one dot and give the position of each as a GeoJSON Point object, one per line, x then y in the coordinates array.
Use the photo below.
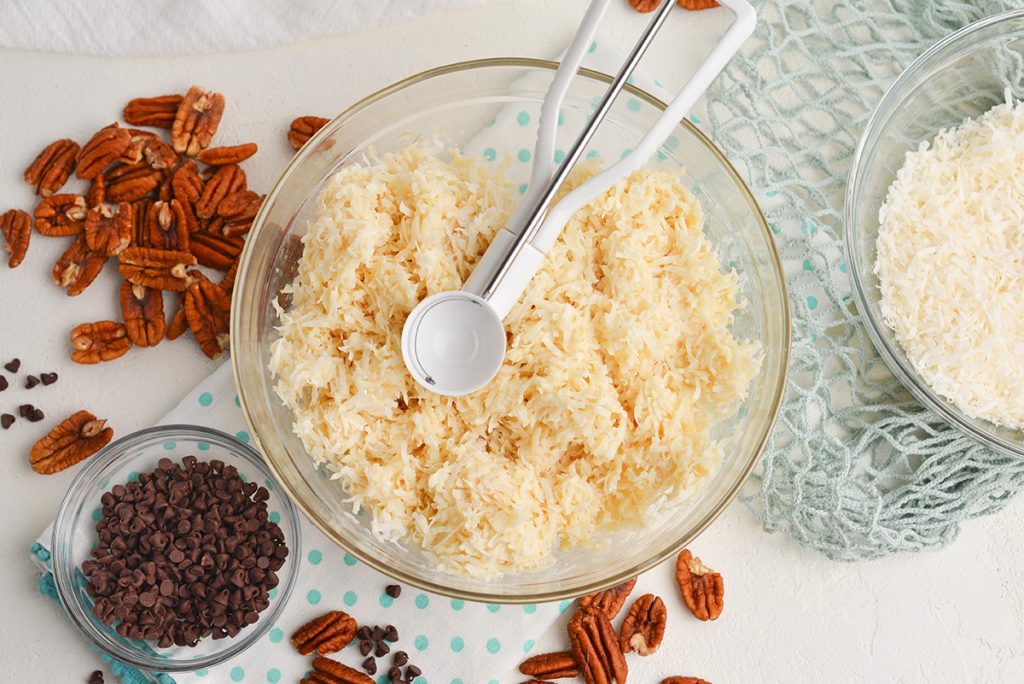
{"type": "Point", "coordinates": [96, 677]}
{"type": "Point", "coordinates": [393, 590]}
{"type": "Point", "coordinates": [3, 383]}
{"type": "Point", "coordinates": [378, 633]}
{"type": "Point", "coordinates": [36, 415]}
{"type": "Point", "coordinates": [365, 647]}
{"type": "Point", "coordinates": [6, 420]}
{"type": "Point", "coordinates": [390, 634]}
{"type": "Point", "coordinates": [370, 666]}
{"type": "Point", "coordinates": [31, 381]}
{"type": "Point", "coordinates": [412, 672]}
{"type": "Point", "coordinates": [25, 410]}
{"type": "Point", "coordinates": [395, 672]}
{"type": "Point", "coordinates": [382, 649]}
{"type": "Point", "coordinates": [401, 658]}
{"type": "Point", "coordinates": [13, 365]}
{"type": "Point", "coordinates": [48, 378]}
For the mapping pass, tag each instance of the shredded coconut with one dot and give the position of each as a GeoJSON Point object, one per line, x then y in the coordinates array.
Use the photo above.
{"type": "Point", "coordinates": [620, 361]}
{"type": "Point", "coordinates": [951, 263]}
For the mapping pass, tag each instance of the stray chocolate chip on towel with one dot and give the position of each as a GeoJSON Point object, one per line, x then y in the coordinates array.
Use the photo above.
{"type": "Point", "coordinates": [393, 590]}
{"type": "Point", "coordinates": [48, 378]}
{"type": "Point", "coordinates": [13, 365]}
{"type": "Point", "coordinates": [3, 383]}
{"type": "Point", "coordinates": [31, 381]}
{"type": "Point", "coordinates": [6, 420]}
{"type": "Point", "coordinates": [96, 677]}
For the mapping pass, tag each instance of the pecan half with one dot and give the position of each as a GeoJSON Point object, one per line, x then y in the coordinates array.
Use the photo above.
{"type": "Point", "coordinates": [303, 128]}
{"type": "Point", "coordinates": [222, 156]}
{"type": "Point", "coordinates": [611, 600]}
{"type": "Point", "coordinates": [16, 225]}
{"type": "Point", "coordinates": [559, 665]}
{"type": "Point", "coordinates": [227, 283]}
{"type": "Point", "coordinates": [328, 633]}
{"type": "Point", "coordinates": [168, 226]}
{"type": "Point", "coordinates": [52, 168]}
{"type": "Point", "coordinates": [207, 309]}
{"type": "Point", "coordinates": [684, 680]}
{"type": "Point", "coordinates": [101, 341]}
{"type": "Point", "coordinates": [241, 205]}
{"type": "Point", "coordinates": [78, 267]}
{"type": "Point", "coordinates": [143, 311]}
{"type": "Point", "coordinates": [107, 230]}
{"type": "Point", "coordinates": [227, 181]}
{"type": "Point", "coordinates": [596, 647]}
{"type": "Point", "coordinates": [702, 587]}
{"type": "Point", "coordinates": [61, 215]}
{"type": "Point", "coordinates": [644, 626]}
{"type": "Point", "coordinates": [149, 148]}
{"type": "Point", "coordinates": [187, 183]}
{"type": "Point", "coordinates": [215, 251]}
{"type": "Point", "coordinates": [131, 182]}
{"type": "Point", "coordinates": [140, 222]}
{"type": "Point", "coordinates": [97, 192]}
{"type": "Point", "coordinates": [333, 672]}
{"type": "Point", "coordinates": [105, 147]}
{"type": "Point", "coordinates": [158, 112]}
{"type": "Point", "coordinates": [74, 439]}
{"type": "Point", "coordinates": [697, 4]}
{"type": "Point", "coordinates": [179, 322]}
{"type": "Point", "coordinates": [161, 269]}
{"type": "Point", "coordinates": [196, 120]}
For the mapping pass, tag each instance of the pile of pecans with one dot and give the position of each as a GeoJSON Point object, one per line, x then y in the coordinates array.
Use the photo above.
{"type": "Point", "coordinates": [598, 654]}
{"type": "Point", "coordinates": [159, 208]}
{"type": "Point", "coordinates": [185, 552]}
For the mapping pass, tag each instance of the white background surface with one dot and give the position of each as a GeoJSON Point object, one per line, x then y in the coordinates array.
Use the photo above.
{"type": "Point", "coordinates": [951, 616]}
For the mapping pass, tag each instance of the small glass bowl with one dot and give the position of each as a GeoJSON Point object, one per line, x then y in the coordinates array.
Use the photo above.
{"type": "Point", "coordinates": [961, 76]}
{"type": "Point", "coordinates": [74, 535]}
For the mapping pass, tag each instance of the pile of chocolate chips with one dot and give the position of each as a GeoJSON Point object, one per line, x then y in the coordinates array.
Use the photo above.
{"type": "Point", "coordinates": [27, 411]}
{"type": "Point", "coordinates": [185, 552]}
{"type": "Point", "coordinates": [377, 640]}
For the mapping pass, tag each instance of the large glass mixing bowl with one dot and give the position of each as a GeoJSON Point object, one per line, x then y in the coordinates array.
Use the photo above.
{"type": "Point", "coordinates": [459, 104]}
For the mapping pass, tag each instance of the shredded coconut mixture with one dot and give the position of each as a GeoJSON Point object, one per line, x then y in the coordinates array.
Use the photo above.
{"type": "Point", "coordinates": [951, 263]}
{"type": "Point", "coordinates": [620, 361]}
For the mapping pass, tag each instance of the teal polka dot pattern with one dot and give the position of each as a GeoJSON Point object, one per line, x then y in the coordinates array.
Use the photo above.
{"type": "Point", "coordinates": [274, 517]}
{"type": "Point", "coordinates": [493, 607]}
{"type": "Point", "coordinates": [133, 476]}
{"type": "Point", "coordinates": [96, 514]}
{"type": "Point", "coordinates": [559, 156]}
{"type": "Point", "coordinates": [203, 446]}
{"type": "Point", "coordinates": [633, 105]}
{"type": "Point", "coordinates": [490, 154]}
{"type": "Point", "coordinates": [349, 559]}
{"type": "Point", "coordinates": [812, 302]}
{"type": "Point", "coordinates": [522, 188]}
{"type": "Point", "coordinates": [170, 446]}
{"type": "Point", "coordinates": [421, 642]}
{"type": "Point", "coordinates": [493, 645]}
{"type": "Point", "coordinates": [272, 593]}
{"type": "Point", "coordinates": [457, 644]}
{"type": "Point", "coordinates": [564, 605]}
{"type": "Point", "coordinates": [238, 402]}
{"type": "Point", "coordinates": [350, 598]}
{"type": "Point", "coordinates": [524, 155]}
{"type": "Point", "coordinates": [528, 644]}
{"type": "Point", "coordinates": [842, 267]}
{"type": "Point", "coordinates": [205, 399]}
{"type": "Point", "coordinates": [625, 153]}
{"type": "Point", "coordinates": [456, 681]}
{"type": "Point", "coordinates": [672, 142]}
{"type": "Point", "coordinates": [202, 673]}
{"type": "Point", "coordinates": [593, 154]}
{"type": "Point", "coordinates": [385, 601]}
{"type": "Point", "coordinates": [422, 601]}
{"type": "Point", "coordinates": [808, 266]}
{"type": "Point", "coordinates": [313, 596]}
{"type": "Point", "coordinates": [523, 118]}
{"type": "Point", "coordinates": [530, 608]}
{"type": "Point", "coordinates": [237, 674]}
{"type": "Point", "coordinates": [593, 47]}
{"type": "Point", "coordinates": [561, 118]}
{"type": "Point", "coordinates": [242, 436]}
{"type": "Point", "coordinates": [273, 675]}
{"type": "Point", "coordinates": [269, 485]}
{"type": "Point", "coordinates": [314, 557]}
{"type": "Point", "coordinates": [458, 604]}
{"type": "Point", "coordinates": [275, 635]}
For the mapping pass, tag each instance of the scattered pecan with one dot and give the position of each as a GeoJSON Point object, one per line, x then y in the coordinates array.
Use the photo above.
{"type": "Point", "coordinates": [131, 182]}
{"type": "Point", "coordinates": [78, 267]}
{"type": "Point", "coordinates": [52, 168]}
{"type": "Point", "coordinates": [697, 4]}
{"type": "Point", "coordinates": [227, 181]}
{"type": "Point", "coordinates": [187, 183]}
{"type": "Point", "coordinates": [168, 226]}
{"type": "Point", "coordinates": [222, 156]}
{"type": "Point", "coordinates": [140, 222]}
{"type": "Point", "coordinates": [179, 322]}
{"type": "Point", "coordinates": [102, 341]}
{"type": "Point", "coordinates": [215, 251]}
{"type": "Point", "coordinates": [333, 672]}
{"type": "Point", "coordinates": [684, 680]}
{"type": "Point", "coordinates": [303, 128]}
{"type": "Point", "coordinates": [60, 215]}
{"type": "Point", "coordinates": [701, 586]}
{"type": "Point", "coordinates": [161, 269]}
{"type": "Point", "coordinates": [97, 192]}
{"type": "Point", "coordinates": [143, 311]}
{"type": "Point", "coordinates": [645, 5]}
{"type": "Point", "coordinates": [207, 309]}
{"type": "Point", "coordinates": [109, 231]}
{"type": "Point", "coordinates": [596, 647]}
{"type": "Point", "coordinates": [16, 226]}
{"type": "Point", "coordinates": [102, 150]}
{"type": "Point", "coordinates": [610, 600]}
{"type": "Point", "coordinates": [158, 112]}
{"type": "Point", "coordinates": [644, 626]}
{"type": "Point", "coordinates": [149, 148]}
{"type": "Point", "coordinates": [328, 633]}
{"type": "Point", "coordinates": [196, 121]}
{"type": "Point", "coordinates": [241, 205]}
{"type": "Point", "coordinates": [559, 665]}
{"type": "Point", "coordinates": [227, 283]}
{"type": "Point", "coordinates": [76, 438]}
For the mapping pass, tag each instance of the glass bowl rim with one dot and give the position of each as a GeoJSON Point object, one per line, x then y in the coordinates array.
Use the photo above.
{"type": "Point", "coordinates": [65, 523]}
{"type": "Point", "coordinates": [905, 373]}
{"type": "Point", "coordinates": [580, 588]}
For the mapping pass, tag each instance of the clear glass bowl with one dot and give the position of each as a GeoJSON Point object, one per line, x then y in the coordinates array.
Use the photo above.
{"type": "Point", "coordinates": [961, 76]}
{"type": "Point", "coordinates": [456, 103]}
{"type": "Point", "coordinates": [74, 535]}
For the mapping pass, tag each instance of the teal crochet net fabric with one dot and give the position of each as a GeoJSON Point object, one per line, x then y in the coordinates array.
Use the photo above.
{"type": "Point", "coordinates": [856, 468]}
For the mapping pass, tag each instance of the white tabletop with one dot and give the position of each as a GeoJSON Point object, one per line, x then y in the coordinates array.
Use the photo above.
{"type": "Point", "coordinates": [791, 616]}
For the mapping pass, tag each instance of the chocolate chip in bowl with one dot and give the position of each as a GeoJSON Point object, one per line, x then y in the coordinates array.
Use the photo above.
{"type": "Point", "coordinates": [174, 549]}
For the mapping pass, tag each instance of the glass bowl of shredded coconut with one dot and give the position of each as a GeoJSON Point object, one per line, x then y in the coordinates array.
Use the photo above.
{"type": "Point", "coordinates": [645, 365]}
{"type": "Point", "coordinates": [935, 230]}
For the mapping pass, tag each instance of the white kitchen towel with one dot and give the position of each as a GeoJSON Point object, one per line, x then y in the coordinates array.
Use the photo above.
{"type": "Point", "coordinates": [121, 28]}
